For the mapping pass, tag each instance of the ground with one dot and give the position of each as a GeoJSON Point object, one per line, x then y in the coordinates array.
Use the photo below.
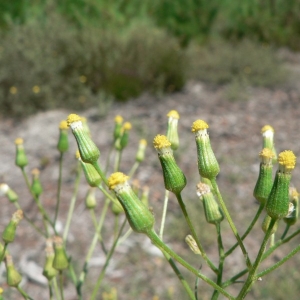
{"type": "Point", "coordinates": [137, 271]}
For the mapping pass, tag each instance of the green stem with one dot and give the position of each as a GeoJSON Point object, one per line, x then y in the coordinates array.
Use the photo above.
{"type": "Point", "coordinates": [125, 236]}
{"type": "Point", "coordinates": [163, 247]}
{"type": "Point", "coordinates": [23, 293]}
{"type": "Point", "coordinates": [260, 209]}
{"type": "Point", "coordinates": [118, 160]}
{"type": "Point", "coordinates": [180, 277]}
{"type": "Point", "coordinates": [221, 262]}
{"type": "Point", "coordinates": [100, 172]}
{"type": "Point", "coordinates": [133, 169]}
{"type": "Point", "coordinates": [72, 204]}
{"type": "Point", "coordinates": [188, 220]}
{"type": "Point", "coordinates": [278, 264]}
{"type": "Point", "coordinates": [61, 284]}
{"type": "Point", "coordinates": [163, 218]}
{"type": "Point", "coordinates": [58, 187]}
{"type": "Point", "coordinates": [285, 231]}
{"type": "Point", "coordinates": [102, 274]}
{"type": "Point", "coordinates": [251, 276]}
{"type": "Point", "coordinates": [3, 252]}
{"type": "Point", "coordinates": [55, 288]}
{"type": "Point", "coordinates": [229, 219]}
{"type": "Point", "coordinates": [96, 237]}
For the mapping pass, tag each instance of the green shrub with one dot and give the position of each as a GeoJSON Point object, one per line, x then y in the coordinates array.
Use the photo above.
{"type": "Point", "coordinates": [247, 62]}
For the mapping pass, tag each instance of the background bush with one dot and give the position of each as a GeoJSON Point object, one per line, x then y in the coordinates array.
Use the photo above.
{"type": "Point", "coordinates": [79, 53]}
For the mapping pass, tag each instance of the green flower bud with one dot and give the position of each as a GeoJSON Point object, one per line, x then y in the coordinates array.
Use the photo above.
{"type": "Point", "coordinates": [265, 181]}
{"type": "Point", "coordinates": [21, 158]}
{"type": "Point", "coordinates": [174, 178]}
{"type": "Point", "coordinates": [63, 140]}
{"type": "Point", "coordinates": [138, 215]}
{"type": "Point", "coordinates": [49, 272]}
{"type": "Point", "coordinates": [192, 244]}
{"type": "Point", "coordinates": [91, 175]}
{"type": "Point", "coordinates": [13, 277]}
{"type": "Point", "coordinates": [213, 213]}
{"type": "Point", "coordinates": [60, 261]}
{"type": "Point", "coordinates": [207, 163]}
{"type": "Point", "coordinates": [8, 192]}
{"type": "Point", "coordinates": [90, 199]}
{"type": "Point", "coordinates": [88, 150]}
{"type": "Point", "coordinates": [266, 223]}
{"type": "Point", "coordinates": [117, 208]}
{"type": "Point", "coordinates": [36, 186]}
{"type": "Point", "coordinates": [172, 132]}
{"type": "Point", "coordinates": [125, 135]}
{"type": "Point", "coordinates": [277, 205]}
{"type": "Point", "coordinates": [140, 155]}
{"type": "Point", "coordinates": [86, 126]}
{"type": "Point", "coordinates": [268, 140]}
{"type": "Point", "coordinates": [9, 232]}
{"type": "Point", "coordinates": [118, 127]}
{"type": "Point", "coordinates": [292, 217]}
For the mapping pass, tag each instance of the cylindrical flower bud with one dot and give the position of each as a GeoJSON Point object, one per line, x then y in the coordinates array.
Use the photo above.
{"type": "Point", "coordinates": [192, 244]}
{"type": "Point", "coordinates": [268, 140]}
{"type": "Point", "coordinates": [90, 199]}
{"type": "Point", "coordinates": [63, 140]}
{"type": "Point", "coordinates": [277, 205]}
{"type": "Point", "coordinates": [13, 277]}
{"type": "Point", "coordinates": [60, 261]}
{"type": "Point", "coordinates": [49, 272]}
{"type": "Point", "coordinates": [172, 132]}
{"type": "Point", "coordinates": [207, 163]}
{"type": "Point", "coordinates": [118, 127]}
{"type": "Point", "coordinates": [9, 232]}
{"type": "Point", "coordinates": [265, 181]}
{"type": "Point", "coordinates": [88, 150]}
{"type": "Point", "coordinates": [125, 135]}
{"type": "Point", "coordinates": [292, 217]}
{"type": "Point", "coordinates": [266, 223]}
{"type": "Point", "coordinates": [36, 186]}
{"type": "Point", "coordinates": [212, 211]}
{"type": "Point", "coordinates": [174, 178]}
{"type": "Point", "coordinates": [86, 126]}
{"type": "Point", "coordinates": [21, 158]}
{"type": "Point", "coordinates": [138, 215]}
{"type": "Point", "coordinates": [91, 175]}
{"type": "Point", "coordinates": [8, 192]}
{"type": "Point", "coordinates": [140, 155]}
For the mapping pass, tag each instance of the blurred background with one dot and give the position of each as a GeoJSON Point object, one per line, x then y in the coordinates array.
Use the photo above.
{"type": "Point", "coordinates": [78, 53]}
{"type": "Point", "coordinates": [233, 63]}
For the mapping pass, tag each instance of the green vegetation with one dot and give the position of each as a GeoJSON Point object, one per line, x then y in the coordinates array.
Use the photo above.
{"type": "Point", "coordinates": [82, 52]}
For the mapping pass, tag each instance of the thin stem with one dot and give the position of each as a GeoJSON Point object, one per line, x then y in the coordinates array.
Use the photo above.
{"type": "Point", "coordinates": [72, 204]}
{"type": "Point", "coordinates": [279, 263]}
{"type": "Point", "coordinates": [180, 276]}
{"type": "Point", "coordinates": [133, 169]}
{"type": "Point", "coordinates": [163, 247]}
{"type": "Point", "coordinates": [118, 160]}
{"type": "Point", "coordinates": [59, 181]}
{"type": "Point", "coordinates": [96, 237]}
{"type": "Point", "coordinates": [3, 252]}
{"type": "Point", "coordinates": [260, 209]}
{"type": "Point", "coordinates": [61, 284]}
{"type": "Point", "coordinates": [55, 288]}
{"type": "Point", "coordinates": [163, 218]}
{"type": "Point", "coordinates": [251, 276]}
{"type": "Point", "coordinates": [188, 220]}
{"type": "Point", "coordinates": [125, 236]}
{"type": "Point", "coordinates": [231, 224]}
{"type": "Point", "coordinates": [285, 231]}
{"type": "Point", "coordinates": [221, 261]}
{"type": "Point", "coordinates": [100, 172]}
{"type": "Point", "coordinates": [23, 293]}
{"type": "Point", "coordinates": [102, 274]}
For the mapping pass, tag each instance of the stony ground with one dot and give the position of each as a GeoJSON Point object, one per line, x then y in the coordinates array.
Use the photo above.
{"type": "Point", "coordinates": [137, 270]}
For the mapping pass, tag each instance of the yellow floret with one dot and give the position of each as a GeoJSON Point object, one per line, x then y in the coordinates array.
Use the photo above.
{"type": "Point", "coordinates": [287, 159]}
{"type": "Point", "coordinates": [143, 142]}
{"type": "Point", "coordinates": [266, 128]}
{"type": "Point", "coordinates": [63, 125]}
{"type": "Point", "coordinates": [199, 125]}
{"type": "Point", "coordinates": [77, 154]}
{"type": "Point", "coordinates": [266, 153]}
{"type": "Point", "coordinates": [118, 119]}
{"type": "Point", "coordinates": [116, 178]}
{"type": "Point", "coordinates": [18, 141]}
{"type": "Point", "coordinates": [73, 118]}
{"type": "Point", "coordinates": [127, 126]}
{"type": "Point", "coordinates": [173, 114]}
{"type": "Point", "coordinates": [161, 141]}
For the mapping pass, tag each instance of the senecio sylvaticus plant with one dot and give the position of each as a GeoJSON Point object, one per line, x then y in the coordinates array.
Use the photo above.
{"type": "Point", "coordinates": [278, 202]}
